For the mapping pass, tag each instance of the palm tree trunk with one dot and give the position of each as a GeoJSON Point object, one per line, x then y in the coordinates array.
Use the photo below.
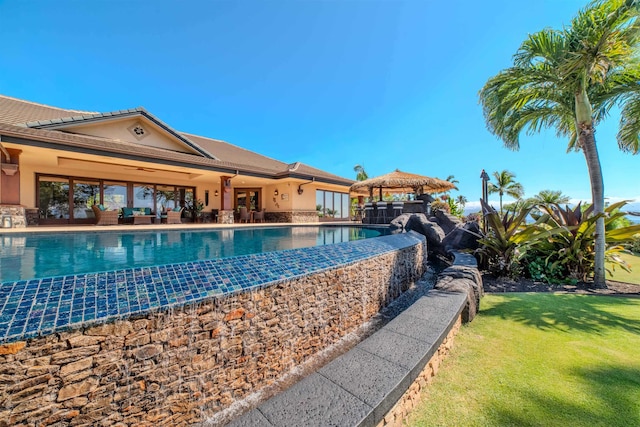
{"type": "Point", "coordinates": [590, 150]}
{"type": "Point", "coordinates": [587, 140]}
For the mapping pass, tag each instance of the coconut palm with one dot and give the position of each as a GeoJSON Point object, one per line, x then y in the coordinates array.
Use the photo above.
{"type": "Point", "coordinates": [569, 80]}
{"type": "Point", "coordinates": [550, 197]}
{"type": "Point", "coordinates": [452, 179]}
{"type": "Point", "coordinates": [462, 201]}
{"type": "Point", "coordinates": [505, 184]}
{"type": "Point", "coordinates": [361, 174]}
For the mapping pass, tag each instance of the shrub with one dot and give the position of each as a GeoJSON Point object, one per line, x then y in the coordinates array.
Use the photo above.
{"type": "Point", "coordinates": [634, 244]}
{"type": "Point", "coordinates": [507, 241]}
{"type": "Point", "coordinates": [439, 205]}
{"type": "Point", "coordinates": [568, 253]}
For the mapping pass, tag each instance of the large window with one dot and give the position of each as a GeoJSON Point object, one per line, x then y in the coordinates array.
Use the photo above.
{"type": "Point", "coordinates": [53, 198]}
{"type": "Point", "coordinates": [115, 195]}
{"type": "Point", "coordinates": [69, 199]}
{"type": "Point", "coordinates": [85, 194]}
{"type": "Point", "coordinates": [330, 204]}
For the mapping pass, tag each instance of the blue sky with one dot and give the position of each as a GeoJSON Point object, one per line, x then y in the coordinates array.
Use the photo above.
{"type": "Point", "coordinates": [385, 84]}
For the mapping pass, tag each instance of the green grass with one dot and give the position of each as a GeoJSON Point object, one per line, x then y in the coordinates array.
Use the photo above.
{"type": "Point", "coordinates": [634, 276]}
{"type": "Point", "coordinates": [540, 360]}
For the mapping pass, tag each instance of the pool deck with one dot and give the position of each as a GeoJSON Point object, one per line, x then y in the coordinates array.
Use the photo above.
{"type": "Point", "coordinates": [147, 227]}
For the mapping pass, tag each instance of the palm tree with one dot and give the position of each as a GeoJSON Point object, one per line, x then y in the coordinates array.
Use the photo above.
{"type": "Point", "coordinates": [505, 184]}
{"type": "Point", "coordinates": [452, 179]}
{"type": "Point", "coordinates": [462, 201]}
{"type": "Point", "coordinates": [550, 197]}
{"type": "Point", "coordinates": [361, 174]}
{"type": "Point", "coordinates": [569, 80]}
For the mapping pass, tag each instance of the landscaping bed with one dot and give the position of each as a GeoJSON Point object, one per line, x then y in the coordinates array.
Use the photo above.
{"type": "Point", "coordinates": [501, 284]}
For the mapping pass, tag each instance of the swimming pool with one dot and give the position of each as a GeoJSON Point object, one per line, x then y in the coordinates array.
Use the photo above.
{"type": "Point", "coordinates": [39, 255]}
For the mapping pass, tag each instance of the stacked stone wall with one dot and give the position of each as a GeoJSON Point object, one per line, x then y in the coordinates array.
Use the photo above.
{"type": "Point", "coordinates": [180, 366]}
{"type": "Point", "coordinates": [16, 215]}
{"type": "Point", "coordinates": [295, 217]}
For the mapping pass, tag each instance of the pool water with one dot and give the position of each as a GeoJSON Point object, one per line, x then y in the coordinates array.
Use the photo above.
{"type": "Point", "coordinates": [38, 255]}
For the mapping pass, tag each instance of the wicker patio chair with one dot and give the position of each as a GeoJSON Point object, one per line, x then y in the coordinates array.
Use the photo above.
{"type": "Point", "coordinates": [174, 217]}
{"type": "Point", "coordinates": [258, 216]}
{"type": "Point", "coordinates": [245, 215]}
{"type": "Point", "coordinates": [105, 217]}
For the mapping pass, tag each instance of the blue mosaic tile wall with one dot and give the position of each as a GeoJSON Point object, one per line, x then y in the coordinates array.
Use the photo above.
{"type": "Point", "coordinates": [43, 306]}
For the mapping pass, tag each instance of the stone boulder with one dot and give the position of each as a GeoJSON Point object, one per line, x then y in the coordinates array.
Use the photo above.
{"type": "Point", "coordinates": [420, 224]}
{"type": "Point", "coordinates": [464, 237]}
{"type": "Point", "coordinates": [463, 276]}
{"type": "Point", "coordinates": [447, 221]}
{"type": "Point", "coordinates": [399, 223]}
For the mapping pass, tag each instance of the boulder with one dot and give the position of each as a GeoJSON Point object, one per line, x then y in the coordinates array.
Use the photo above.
{"type": "Point", "coordinates": [463, 237]}
{"type": "Point", "coordinates": [463, 276]}
{"type": "Point", "coordinates": [399, 223]}
{"type": "Point", "coordinates": [447, 221]}
{"type": "Point", "coordinates": [419, 223]}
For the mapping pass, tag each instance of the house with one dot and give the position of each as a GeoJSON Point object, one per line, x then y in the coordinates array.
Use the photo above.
{"type": "Point", "coordinates": [57, 163]}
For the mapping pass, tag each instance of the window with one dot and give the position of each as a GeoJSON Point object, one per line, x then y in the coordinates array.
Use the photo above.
{"type": "Point", "coordinates": [115, 195]}
{"type": "Point", "coordinates": [53, 197]}
{"type": "Point", "coordinates": [330, 204]}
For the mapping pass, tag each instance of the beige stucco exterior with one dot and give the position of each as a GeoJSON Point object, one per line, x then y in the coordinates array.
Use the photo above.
{"type": "Point", "coordinates": [47, 158]}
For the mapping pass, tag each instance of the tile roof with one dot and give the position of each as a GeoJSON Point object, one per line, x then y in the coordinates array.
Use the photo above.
{"type": "Point", "coordinates": [28, 121]}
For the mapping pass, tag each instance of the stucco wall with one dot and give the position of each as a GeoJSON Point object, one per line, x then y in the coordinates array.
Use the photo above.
{"type": "Point", "coordinates": [178, 367]}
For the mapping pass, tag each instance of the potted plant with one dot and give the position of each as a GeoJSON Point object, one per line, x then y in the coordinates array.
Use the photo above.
{"type": "Point", "coordinates": [196, 208]}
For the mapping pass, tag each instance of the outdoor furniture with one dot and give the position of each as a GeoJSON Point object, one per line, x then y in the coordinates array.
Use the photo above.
{"type": "Point", "coordinates": [244, 214]}
{"type": "Point", "coordinates": [381, 217]}
{"type": "Point", "coordinates": [142, 219]}
{"type": "Point", "coordinates": [214, 215]}
{"type": "Point", "coordinates": [172, 217]}
{"type": "Point", "coordinates": [258, 216]}
{"type": "Point", "coordinates": [137, 215]}
{"type": "Point", "coordinates": [104, 217]}
{"type": "Point", "coordinates": [397, 208]}
{"type": "Point", "coordinates": [368, 213]}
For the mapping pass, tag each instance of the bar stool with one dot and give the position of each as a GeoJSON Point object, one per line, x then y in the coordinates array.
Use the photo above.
{"type": "Point", "coordinates": [368, 213]}
{"type": "Point", "coordinates": [397, 208]}
{"type": "Point", "coordinates": [382, 212]}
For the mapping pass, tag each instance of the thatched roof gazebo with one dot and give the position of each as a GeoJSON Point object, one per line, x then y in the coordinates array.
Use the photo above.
{"type": "Point", "coordinates": [402, 182]}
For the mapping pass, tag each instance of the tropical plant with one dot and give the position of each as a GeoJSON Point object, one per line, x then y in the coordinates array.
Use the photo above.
{"type": "Point", "coordinates": [507, 241]}
{"type": "Point", "coordinates": [550, 197]}
{"type": "Point", "coordinates": [568, 253]}
{"type": "Point", "coordinates": [195, 206]}
{"type": "Point", "coordinates": [461, 201]}
{"type": "Point", "coordinates": [505, 184]}
{"type": "Point", "coordinates": [454, 208]}
{"type": "Point", "coordinates": [361, 174]}
{"type": "Point", "coordinates": [518, 205]}
{"type": "Point", "coordinates": [452, 179]}
{"type": "Point", "coordinates": [634, 244]}
{"type": "Point", "coordinates": [569, 80]}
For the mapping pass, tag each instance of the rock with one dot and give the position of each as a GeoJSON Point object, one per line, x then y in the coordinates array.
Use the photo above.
{"type": "Point", "coordinates": [77, 389]}
{"type": "Point", "coordinates": [447, 221]}
{"type": "Point", "coordinates": [463, 276]}
{"type": "Point", "coordinates": [464, 237]}
{"type": "Point", "coordinates": [399, 223]}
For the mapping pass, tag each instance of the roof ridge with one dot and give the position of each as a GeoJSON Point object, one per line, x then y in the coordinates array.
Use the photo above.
{"type": "Point", "coordinates": [46, 106]}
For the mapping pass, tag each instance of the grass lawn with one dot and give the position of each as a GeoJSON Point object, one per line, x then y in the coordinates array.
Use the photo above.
{"type": "Point", "coordinates": [622, 276]}
{"type": "Point", "coordinates": [540, 360]}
